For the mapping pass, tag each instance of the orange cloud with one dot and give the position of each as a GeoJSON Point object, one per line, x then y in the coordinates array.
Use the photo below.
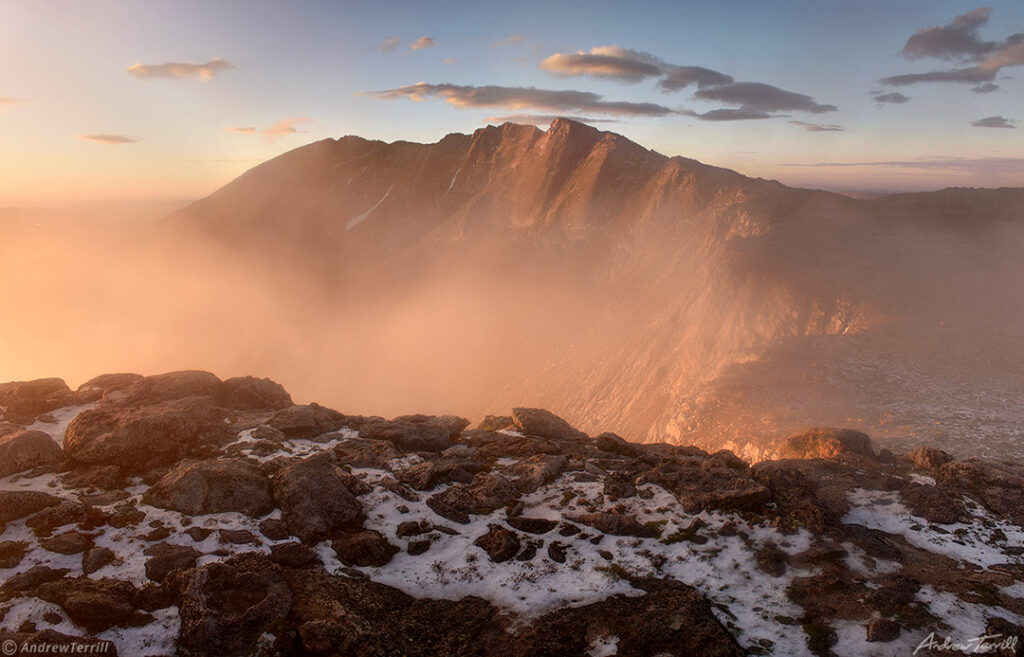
{"type": "Point", "coordinates": [180, 70]}
{"type": "Point", "coordinates": [272, 133]}
{"type": "Point", "coordinates": [423, 42]}
{"type": "Point", "coordinates": [110, 140]}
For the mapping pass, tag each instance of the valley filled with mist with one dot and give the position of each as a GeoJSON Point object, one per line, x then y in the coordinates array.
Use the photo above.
{"type": "Point", "coordinates": [572, 269]}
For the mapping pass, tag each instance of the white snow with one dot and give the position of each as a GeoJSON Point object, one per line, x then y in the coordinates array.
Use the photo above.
{"type": "Point", "coordinates": [358, 220]}
{"type": "Point", "coordinates": [62, 417]}
{"type": "Point", "coordinates": [968, 542]}
{"type": "Point", "coordinates": [723, 568]}
{"type": "Point", "coordinates": [604, 646]}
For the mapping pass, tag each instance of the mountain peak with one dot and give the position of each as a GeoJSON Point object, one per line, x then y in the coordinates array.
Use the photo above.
{"type": "Point", "coordinates": [569, 130]}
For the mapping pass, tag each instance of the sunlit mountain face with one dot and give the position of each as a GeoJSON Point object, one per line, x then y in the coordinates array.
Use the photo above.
{"type": "Point", "coordinates": [659, 297]}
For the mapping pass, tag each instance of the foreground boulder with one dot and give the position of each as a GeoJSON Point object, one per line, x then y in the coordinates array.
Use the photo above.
{"type": "Point", "coordinates": [365, 548]}
{"type": "Point", "coordinates": [253, 394]}
{"type": "Point", "coordinates": [175, 385]}
{"type": "Point", "coordinates": [538, 422]}
{"type": "Point", "coordinates": [486, 493]}
{"type": "Point", "coordinates": [417, 433]}
{"type": "Point", "coordinates": [709, 483]}
{"type": "Point", "coordinates": [1000, 488]}
{"type": "Point", "coordinates": [22, 401]}
{"type": "Point", "coordinates": [213, 486]}
{"type": "Point", "coordinates": [306, 421]}
{"type": "Point", "coordinates": [95, 605]}
{"type": "Point", "coordinates": [824, 443]}
{"type": "Point", "coordinates": [23, 450]}
{"type": "Point", "coordinates": [137, 438]}
{"type": "Point", "coordinates": [15, 505]}
{"type": "Point", "coordinates": [226, 607]}
{"type": "Point", "coordinates": [315, 502]}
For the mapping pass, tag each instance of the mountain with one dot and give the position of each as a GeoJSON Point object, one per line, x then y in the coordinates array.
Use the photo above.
{"type": "Point", "coordinates": [184, 514]}
{"type": "Point", "coordinates": [660, 297]}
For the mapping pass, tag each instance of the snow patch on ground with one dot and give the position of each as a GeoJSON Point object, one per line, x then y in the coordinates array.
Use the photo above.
{"type": "Point", "coordinates": [969, 542]}
{"type": "Point", "coordinates": [723, 568]}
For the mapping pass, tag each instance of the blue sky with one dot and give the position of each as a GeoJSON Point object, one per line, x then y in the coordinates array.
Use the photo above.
{"type": "Point", "coordinates": [76, 124]}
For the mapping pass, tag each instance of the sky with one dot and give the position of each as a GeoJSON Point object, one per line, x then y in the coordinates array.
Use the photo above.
{"type": "Point", "coordinates": [116, 100]}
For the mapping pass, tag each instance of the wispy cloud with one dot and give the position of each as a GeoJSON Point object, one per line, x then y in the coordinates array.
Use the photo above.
{"type": "Point", "coordinates": [605, 62]}
{"type": "Point", "coordinates": [728, 115]}
{"type": "Point", "coordinates": [542, 119]}
{"type": "Point", "coordinates": [760, 97]}
{"type": "Point", "coordinates": [986, 88]}
{"type": "Point", "coordinates": [180, 70]}
{"type": "Point", "coordinates": [894, 98]}
{"type": "Point", "coordinates": [451, 61]}
{"type": "Point", "coordinates": [993, 122]}
{"type": "Point", "coordinates": [272, 133]}
{"type": "Point", "coordinates": [980, 61]}
{"type": "Point", "coordinates": [513, 40]}
{"type": "Point", "coordinates": [7, 102]}
{"type": "Point", "coordinates": [522, 98]}
{"type": "Point", "coordinates": [109, 139]}
{"type": "Point", "coordinates": [423, 42]}
{"type": "Point", "coordinates": [751, 100]}
{"type": "Point", "coordinates": [953, 41]}
{"type": "Point", "coordinates": [389, 44]}
{"type": "Point", "coordinates": [999, 165]}
{"type": "Point", "coordinates": [817, 127]}
{"type": "Point", "coordinates": [680, 77]}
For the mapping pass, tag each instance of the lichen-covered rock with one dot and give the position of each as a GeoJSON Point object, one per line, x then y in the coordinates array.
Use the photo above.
{"type": "Point", "coordinates": [364, 548]}
{"type": "Point", "coordinates": [929, 458]}
{"type": "Point", "coordinates": [314, 501]}
{"type": "Point", "coordinates": [539, 422]}
{"type": "Point", "coordinates": [708, 483]}
{"type": "Point", "coordinates": [253, 394]}
{"type": "Point", "coordinates": [137, 438]}
{"type": "Point", "coordinates": [486, 493]}
{"type": "Point", "coordinates": [226, 607]}
{"type": "Point", "coordinates": [306, 421]}
{"type": "Point", "coordinates": [823, 443]}
{"type": "Point", "coordinates": [22, 401]}
{"type": "Point", "coordinates": [16, 504]}
{"type": "Point", "coordinates": [500, 543]}
{"type": "Point", "coordinates": [213, 486]}
{"type": "Point", "coordinates": [416, 433]}
{"type": "Point", "coordinates": [23, 450]}
{"type": "Point", "coordinates": [175, 385]}
{"type": "Point", "coordinates": [166, 558]}
{"type": "Point", "coordinates": [95, 605]}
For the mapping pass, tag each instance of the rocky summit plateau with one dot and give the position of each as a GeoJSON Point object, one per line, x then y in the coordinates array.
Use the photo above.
{"type": "Point", "coordinates": [180, 514]}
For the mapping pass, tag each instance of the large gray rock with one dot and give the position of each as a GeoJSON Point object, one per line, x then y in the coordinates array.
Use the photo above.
{"type": "Point", "coordinates": [213, 486]}
{"type": "Point", "coordinates": [16, 504]}
{"type": "Point", "coordinates": [306, 421]}
{"type": "Point", "coordinates": [137, 438]}
{"type": "Point", "coordinates": [823, 443]}
{"type": "Point", "coordinates": [22, 401]}
{"type": "Point", "coordinates": [175, 385]}
{"type": "Point", "coordinates": [538, 422]}
{"type": "Point", "coordinates": [227, 606]}
{"type": "Point", "coordinates": [253, 394]}
{"type": "Point", "coordinates": [23, 450]}
{"type": "Point", "coordinates": [486, 493]}
{"type": "Point", "coordinates": [315, 502]}
{"type": "Point", "coordinates": [416, 433]}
